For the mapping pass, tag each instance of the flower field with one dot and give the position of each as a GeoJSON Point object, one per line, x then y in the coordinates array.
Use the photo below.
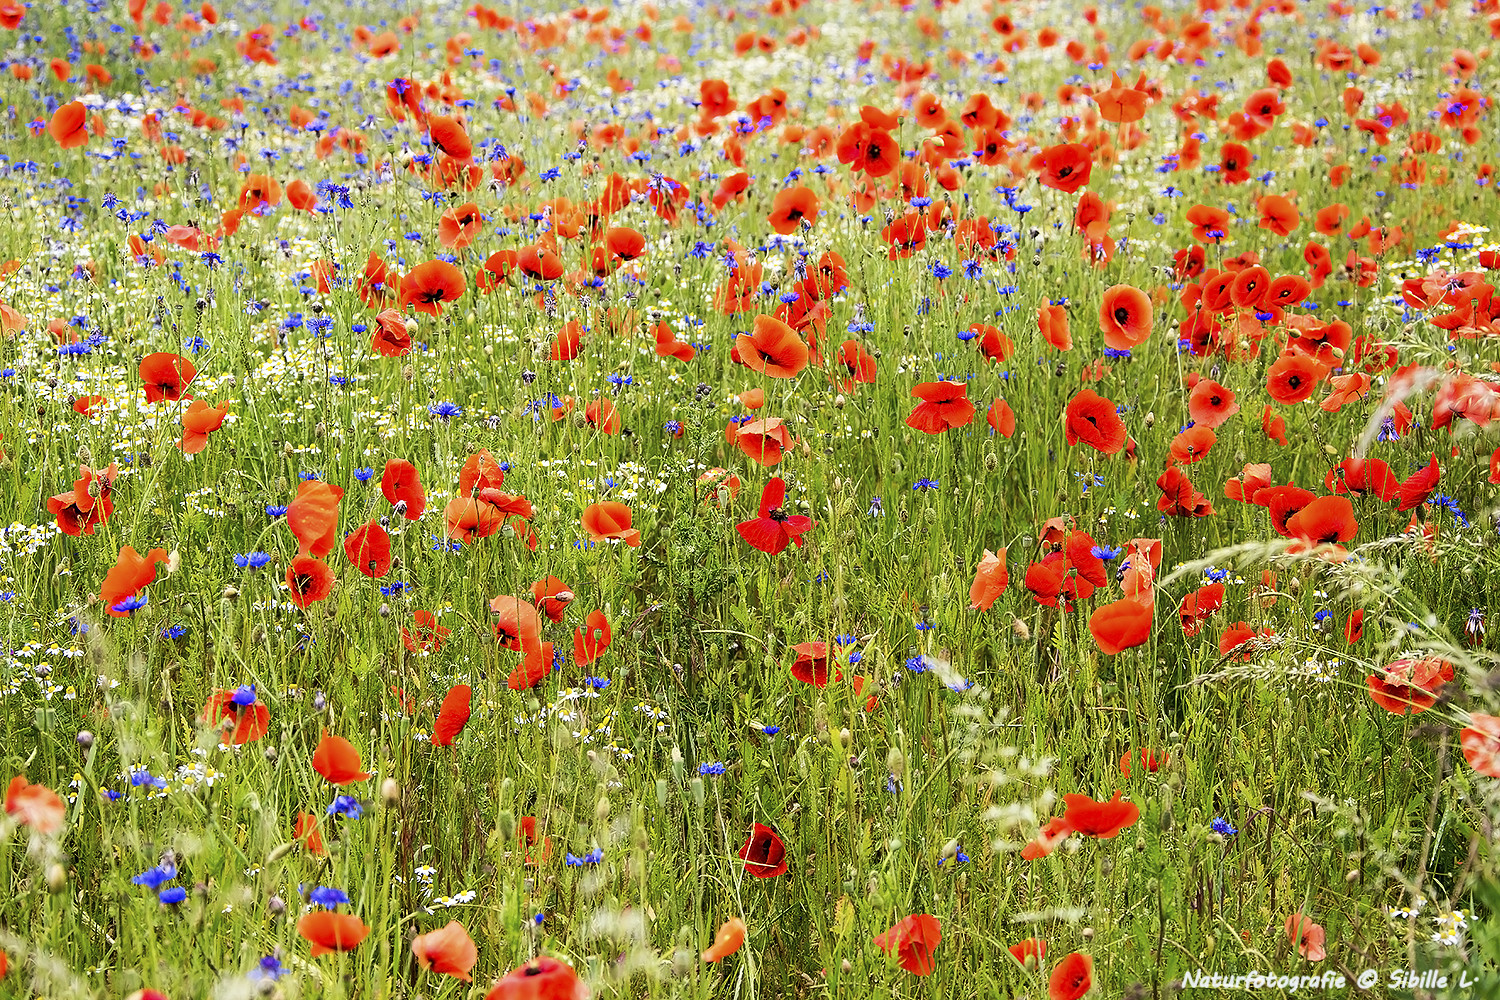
{"type": "Point", "coordinates": [962, 499]}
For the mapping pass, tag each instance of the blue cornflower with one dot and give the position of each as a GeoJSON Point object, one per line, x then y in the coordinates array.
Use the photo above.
{"type": "Point", "coordinates": [615, 378]}
{"type": "Point", "coordinates": [1221, 826]}
{"type": "Point", "coordinates": [364, 475]}
{"type": "Point", "coordinates": [1117, 352]}
{"type": "Point", "coordinates": [328, 897]}
{"type": "Point", "coordinates": [959, 857]}
{"type": "Point", "coordinates": [770, 730]}
{"type": "Point", "coordinates": [710, 768]}
{"type": "Point", "coordinates": [153, 878]}
{"type": "Point", "coordinates": [673, 427]}
{"type": "Point", "coordinates": [275, 510]}
{"type": "Point", "coordinates": [597, 683]}
{"type": "Point", "coordinates": [347, 806]}
{"type": "Point", "coordinates": [244, 695]}
{"type": "Point", "coordinates": [924, 484]}
{"type": "Point", "coordinates": [1105, 553]}
{"type": "Point", "coordinates": [174, 632]}
{"type": "Point", "coordinates": [270, 968]}
{"type": "Point", "coordinates": [917, 664]}
{"type": "Point", "coordinates": [172, 896]}
{"type": "Point", "coordinates": [876, 507]}
{"type": "Point", "coordinates": [252, 560]}
{"type": "Point", "coordinates": [132, 603]}
{"type": "Point", "coordinates": [445, 410]}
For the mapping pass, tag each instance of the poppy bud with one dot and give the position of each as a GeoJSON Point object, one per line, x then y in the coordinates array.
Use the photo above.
{"type": "Point", "coordinates": [85, 739]}
{"type": "Point", "coordinates": [677, 763]}
{"type": "Point", "coordinates": [695, 787]}
{"type": "Point", "coordinates": [385, 610]}
{"type": "Point", "coordinates": [57, 878]}
{"type": "Point", "coordinates": [1150, 419]}
{"type": "Point", "coordinates": [661, 793]}
{"type": "Point", "coordinates": [390, 791]}
{"type": "Point", "coordinates": [280, 851]}
{"type": "Point", "coordinates": [1208, 946]}
{"type": "Point", "coordinates": [174, 561]}
{"type": "Point", "coordinates": [276, 905]}
{"type": "Point", "coordinates": [601, 809]}
{"type": "Point", "coordinates": [230, 593]}
{"type": "Point", "coordinates": [991, 461]}
{"type": "Point", "coordinates": [839, 401]}
{"type": "Point", "coordinates": [1088, 934]}
{"type": "Point", "coordinates": [1020, 629]}
{"type": "Point", "coordinates": [408, 373]}
{"type": "Point", "coordinates": [895, 762]}
{"type": "Point", "coordinates": [1351, 876]}
{"type": "Point", "coordinates": [505, 826]}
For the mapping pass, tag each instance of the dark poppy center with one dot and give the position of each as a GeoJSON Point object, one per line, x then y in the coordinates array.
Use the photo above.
{"type": "Point", "coordinates": [1064, 172]}
{"type": "Point", "coordinates": [435, 295]}
{"type": "Point", "coordinates": [778, 515]}
{"type": "Point", "coordinates": [1122, 315]}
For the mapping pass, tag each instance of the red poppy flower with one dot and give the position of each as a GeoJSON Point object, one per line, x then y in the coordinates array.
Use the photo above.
{"type": "Point", "coordinates": [536, 663]}
{"type": "Point", "coordinates": [990, 580]}
{"type": "Point", "coordinates": [1210, 225]}
{"type": "Point", "coordinates": [772, 348]}
{"type": "Point", "coordinates": [763, 441]}
{"type": "Point", "coordinates": [313, 516]}
{"type": "Point", "coordinates": [542, 978]}
{"type": "Point", "coordinates": [1274, 428]}
{"type": "Point", "coordinates": [1065, 167]}
{"type": "Point", "coordinates": [88, 504]}
{"type": "Point", "coordinates": [552, 597]}
{"type": "Point", "coordinates": [540, 263]}
{"type": "Point", "coordinates": [130, 574]}
{"type": "Point", "coordinates": [69, 125]}
{"type": "Point", "coordinates": [401, 485]}
{"type": "Point", "coordinates": [310, 580]}
{"type": "Point", "coordinates": [1210, 404]}
{"type": "Point", "coordinates": [763, 853]}
{"type": "Point", "coordinates": [1072, 978]}
{"type": "Point", "coordinates": [774, 528]}
{"type": "Point", "coordinates": [602, 416]}
{"type": "Point", "coordinates": [1099, 819]}
{"type": "Point", "coordinates": [610, 521]}
{"type": "Point", "coordinates": [453, 715]}
{"type": "Point", "coordinates": [328, 931]}
{"type": "Point", "coordinates": [913, 940]}
{"type": "Point", "coordinates": [1293, 377]}
{"type": "Point", "coordinates": [1125, 317]}
{"type": "Point", "coordinates": [1415, 490]}
{"type": "Point", "coordinates": [198, 421]}
{"type": "Point", "coordinates": [792, 208]}
{"type": "Point", "coordinates": [944, 405]}
{"type": "Point", "coordinates": [1361, 476]}
{"type": "Point", "coordinates": [730, 936]}
{"type": "Point", "coordinates": [1409, 686]}
{"type": "Point", "coordinates": [1052, 834]}
{"type": "Point", "coordinates": [811, 665]}
{"type": "Point", "coordinates": [517, 625]}
{"type": "Point", "coordinates": [369, 549]}
{"type": "Point", "coordinates": [1325, 520]}
{"type": "Point", "coordinates": [448, 951]}
{"type": "Point", "coordinates": [1030, 952]}
{"type": "Point", "coordinates": [337, 760]}
{"type": "Point", "coordinates": [432, 285]}
{"type": "Point", "coordinates": [1120, 625]}
{"type": "Point", "coordinates": [306, 831]}
{"type": "Point", "coordinates": [240, 723]}
{"type": "Point", "coordinates": [1092, 419]}
{"type": "Point", "coordinates": [1278, 214]}
{"type": "Point", "coordinates": [425, 635]}
{"type": "Point", "coordinates": [460, 226]}
{"type": "Point", "coordinates": [166, 376]}
{"type": "Point", "coordinates": [258, 190]}
{"type": "Point", "coordinates": [590, 642]}
{"type": "Point", "coordinates": [1192, 445]}
{"type": "Point", "coordinates": [1052, 321]}
{"type": "Point", "coordinates": [449, 136]}
{"type": "Point", "coordinates": [36, 806]}
{"type": "Point", "coordinates": [1198, 605]}
{"type": "Point", "coordinates": [1308, 937]}
{"type": "Point", "coordinates": [1480, 741]}
{"type": "Point", "coordinates": [1149, 761]}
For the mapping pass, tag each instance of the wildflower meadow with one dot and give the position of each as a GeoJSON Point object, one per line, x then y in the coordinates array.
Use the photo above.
{"type": "Point", "coordinates": [782, 499]}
